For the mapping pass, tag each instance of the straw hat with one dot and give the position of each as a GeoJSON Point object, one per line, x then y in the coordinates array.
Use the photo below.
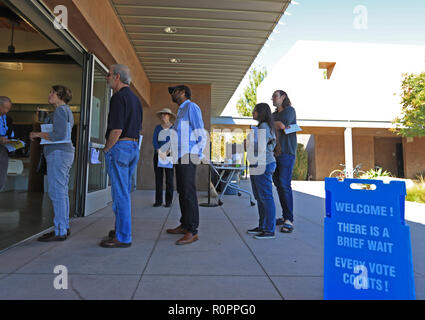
{"type": "Point", "coordinates": [167, 111]}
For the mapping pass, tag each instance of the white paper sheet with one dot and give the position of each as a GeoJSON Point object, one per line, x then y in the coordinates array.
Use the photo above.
{"type": "Point", "coordinates": [293, 128]}
{"type": "Point", "coordinates": [49, 128]}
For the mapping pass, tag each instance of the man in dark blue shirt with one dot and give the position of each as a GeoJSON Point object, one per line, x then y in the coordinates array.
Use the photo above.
{"type": "Point", "coordinates": [122, 151]}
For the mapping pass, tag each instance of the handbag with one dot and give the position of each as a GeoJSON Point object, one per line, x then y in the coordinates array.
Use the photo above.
{"type": "Point", "coordinates": [42, 164]}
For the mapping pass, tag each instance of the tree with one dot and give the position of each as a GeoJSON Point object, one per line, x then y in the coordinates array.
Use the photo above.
{"type": "Point", "coordinates": [411, 122]}
{"type": "Point", "coordinates": [248, 99]}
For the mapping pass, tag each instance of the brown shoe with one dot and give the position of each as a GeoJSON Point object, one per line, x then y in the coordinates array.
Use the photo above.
{"type": "Point", "coordinates": [178, 230]}
{"type": "Point", "coordinates": [188, 238]}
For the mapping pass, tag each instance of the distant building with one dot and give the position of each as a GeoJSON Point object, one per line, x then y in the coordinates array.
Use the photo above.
{"type": "Point", "coordinates": [346, 96]}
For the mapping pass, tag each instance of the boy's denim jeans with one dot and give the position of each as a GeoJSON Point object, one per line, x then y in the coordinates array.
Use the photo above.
{"type": "Point", "coordinates": [262, 187]}
{"type": "Point", "coordinates": [121, 162]}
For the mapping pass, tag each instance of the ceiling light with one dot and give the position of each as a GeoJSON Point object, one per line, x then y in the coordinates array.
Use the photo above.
{"type": "Point", "coordinates": [175, 60]}
{"type": "Point", "coordinates": [170, 30]}
{"type": "Point", "coordinates": [15, 66]}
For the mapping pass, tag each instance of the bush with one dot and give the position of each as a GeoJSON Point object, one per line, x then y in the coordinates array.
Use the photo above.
{"type": "Point", "coordinates": [416, 193]}
{"type": "Point", "coordinates": [301, 164]}
{"type": "Point", "coordinates": [373, 174]}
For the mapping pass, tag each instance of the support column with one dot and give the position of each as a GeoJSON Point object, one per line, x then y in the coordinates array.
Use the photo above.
{"type": "Point", "coordinates": [348, 145]}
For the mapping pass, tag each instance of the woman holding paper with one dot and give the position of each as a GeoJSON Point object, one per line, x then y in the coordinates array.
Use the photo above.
{"type": "Point", "coordinates": [160, 138]}
{"type": "Point", "coordinates": [59, 153]}
{"type": "Point", "coordinates": [284, 117]}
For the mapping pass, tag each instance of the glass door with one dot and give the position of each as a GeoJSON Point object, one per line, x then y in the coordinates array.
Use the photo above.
{"type": "Point", "coordinates": [94, 187]}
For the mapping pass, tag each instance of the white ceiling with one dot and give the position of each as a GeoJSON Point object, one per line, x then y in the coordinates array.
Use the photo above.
{"type": "Point", "coordinates": [216, 41]}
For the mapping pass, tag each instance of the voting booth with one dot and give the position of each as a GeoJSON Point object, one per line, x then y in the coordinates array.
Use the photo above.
{"type": "Point", "coordinates": [368, 253]}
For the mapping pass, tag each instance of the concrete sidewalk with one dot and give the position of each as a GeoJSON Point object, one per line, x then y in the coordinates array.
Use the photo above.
{"type": "Point", "coordinates": [225, 264]}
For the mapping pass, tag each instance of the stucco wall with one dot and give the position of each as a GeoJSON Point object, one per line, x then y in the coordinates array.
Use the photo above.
{"type": "Point", "coordinates": [201, 95]}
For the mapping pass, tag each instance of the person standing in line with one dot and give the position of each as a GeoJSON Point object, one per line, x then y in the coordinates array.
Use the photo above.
{"type": "Point", "coordinates": [122, 151]}
{"type": "Point", "coordinates": [165, 115]}
{"type": "Point", "coordinates": [284, 117]}
{"type": "Point", "coordinates": [189, 124]}
{"type": "Point", "coordinates": [261, 174]}
{"type": "Point", "coordinates": [6, 133]}
{"type": "Point", "coordinates": [59, 159]}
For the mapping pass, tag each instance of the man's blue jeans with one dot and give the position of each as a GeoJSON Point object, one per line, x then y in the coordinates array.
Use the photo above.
{"type": "Point", "coordinates": [262, 187]}
{"type": "Point", "coordinates": [282, 180]}
{"type": "Point", "coordinates": [121, 162]}
{"type": "Point", "coordinates": [59, 164]}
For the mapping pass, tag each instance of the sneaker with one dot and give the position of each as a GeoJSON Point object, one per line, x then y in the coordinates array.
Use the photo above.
{"type": "Point", "coordinates": [257, 230]}
{"type": "Point", "coordinates": [265, 235]}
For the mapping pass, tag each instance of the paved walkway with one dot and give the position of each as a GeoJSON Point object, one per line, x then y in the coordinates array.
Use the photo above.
{"type": "Point", "coordinates": [226, 263]}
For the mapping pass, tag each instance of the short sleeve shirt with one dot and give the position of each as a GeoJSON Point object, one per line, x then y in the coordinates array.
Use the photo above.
{"type": "Point", "coordinates": [288, 142]}
{"type": "Point", "coordinates": [126, 114]}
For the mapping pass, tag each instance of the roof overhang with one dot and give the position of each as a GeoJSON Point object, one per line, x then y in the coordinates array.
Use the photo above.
{"type": "Point", "coordinates": [215, 41]}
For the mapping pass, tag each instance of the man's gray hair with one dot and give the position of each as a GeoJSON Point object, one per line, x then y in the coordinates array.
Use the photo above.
{"type": "Point", "coordinates": [123, 71]}
{"type": "Point", "coordinates": [4, 99]}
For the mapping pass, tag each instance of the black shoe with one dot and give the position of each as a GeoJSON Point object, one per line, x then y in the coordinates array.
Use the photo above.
{"type": "Point", "coordinates": [51, 234]}
{"type": "Point", "coordinates": [156, 205]}
{"type": "Point", "coordinates": [49, 237]}
{"type": "Point", "coordinates": [257, 230]}
{"type": "Point", "coordinates": [111, 234]}
{"type": "Point", "coordinates": [265, 235]}
{"type": "Point", "coordinates": [167, 205]}
{"type": "Point", "coordinates": [280, 222]}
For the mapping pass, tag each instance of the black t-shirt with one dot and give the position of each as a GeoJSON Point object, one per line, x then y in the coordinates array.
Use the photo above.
{"type": "Point", "coordinates": [126, 114]}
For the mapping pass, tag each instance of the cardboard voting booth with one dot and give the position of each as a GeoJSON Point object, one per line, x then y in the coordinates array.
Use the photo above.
{"type": "Point", "coordinates": [368, 253]}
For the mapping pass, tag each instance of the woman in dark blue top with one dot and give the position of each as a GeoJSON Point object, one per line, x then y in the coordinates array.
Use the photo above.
{"type": "Point", "coordinates": [166, 116]}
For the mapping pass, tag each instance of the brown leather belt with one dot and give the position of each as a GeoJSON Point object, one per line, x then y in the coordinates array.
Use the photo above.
{"type": "Point", "coordinates": [129, 139]}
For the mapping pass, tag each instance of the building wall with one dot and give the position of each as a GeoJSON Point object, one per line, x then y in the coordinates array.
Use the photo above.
{"type": "Point", "coordinates": [329, 154]}
{"type": "Point", "coordinates": [414, 157]}
{"type": "Point", "coordinates": [201, 95]}
{"type": "Point", "coordinates": [363, 152]}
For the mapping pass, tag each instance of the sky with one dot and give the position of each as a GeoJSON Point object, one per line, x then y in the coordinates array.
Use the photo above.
{"type": "Point", "coordinates": [366, 21]}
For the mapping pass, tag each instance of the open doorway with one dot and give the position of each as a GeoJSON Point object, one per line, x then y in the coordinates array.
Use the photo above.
{"type": "Point", "coordinates": [30, 64]}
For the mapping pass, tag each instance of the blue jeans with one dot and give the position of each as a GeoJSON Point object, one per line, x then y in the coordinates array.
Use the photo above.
{"type": "Point", "coordinates": [59, 164]}
{"type": "Point", "coordinates": [262, 187]}
{"type": "Point", "coordinates": [121, 162]}
{"type": "Point", "coordinates": [282, 180]}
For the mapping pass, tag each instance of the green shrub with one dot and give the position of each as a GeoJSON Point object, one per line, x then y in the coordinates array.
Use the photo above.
{"type": "Point", "coordinates": [301, 164]}
{"type": "Point", "coordinates": [416, 193]}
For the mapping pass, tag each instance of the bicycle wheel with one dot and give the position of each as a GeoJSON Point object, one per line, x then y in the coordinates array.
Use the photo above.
{"type": "Point", "coordinates": [339, 174]}
{"type": "Point", "coordinates": [359, 174]}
